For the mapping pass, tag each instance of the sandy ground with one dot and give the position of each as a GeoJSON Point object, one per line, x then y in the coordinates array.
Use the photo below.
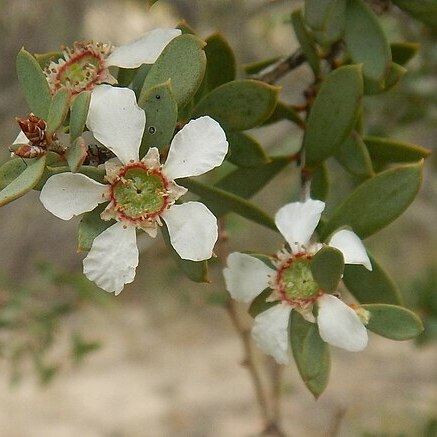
{"type": "Point", "coordinates": [182, 377]}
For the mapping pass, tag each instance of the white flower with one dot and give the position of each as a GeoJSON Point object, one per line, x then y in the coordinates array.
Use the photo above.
{"type": "Point", "coordinates": [86, 64]}
{"type": "Point", "coordinates": [141, 193]}
{"type": "Point", "coordinates": [293, 285]}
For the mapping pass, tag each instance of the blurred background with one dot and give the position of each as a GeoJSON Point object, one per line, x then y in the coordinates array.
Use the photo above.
{"type": "Point", "coordinates": [162, 359]}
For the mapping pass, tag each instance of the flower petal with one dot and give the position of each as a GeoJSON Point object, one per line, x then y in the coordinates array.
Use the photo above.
{"type": "Point", "coordinates": [68, 194]}
{"type": "Point", "coordinates": [21, 138]}
{"type": "Point", "coordinates": [245, 276]}
{"type": "Point", "coordinates": [339, 324]}
{"type": "Point", "coordinates": [270, 332]}
{"type": "Point", "coordinates": [297, 220]}
{"type": "Point", "coordinates": [199, 147]}
{"type": "Point", "coordinates": [113, 258]}
{"type": "Point", "coordinates": [352, 248]}
{"type": "Point", "coordinates": [144, 50]}
{"type": "Point", "coordinates": [193, 230]}
{"type": "Point", "coordinates": [117, 121]}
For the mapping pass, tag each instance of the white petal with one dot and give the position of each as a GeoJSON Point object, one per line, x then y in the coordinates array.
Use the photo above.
{"type": "Point", "coordinates": [66, 194]}
{"type": "Point", "coordinates": [270, 331]}
{"type": "Point", "coordinates": [339, 324]}
{"type": "Point", "coordinates": [21, 138]}
{"type": "Point", "coordinates": [199, 147]}
{"type": "Point", "coordinates": [193, 230]}
{"type": "Point", "coordinates": [113, 258]}
{"type": "Point", "coordinates": [117, 121]}
{"type": "Point", "coordinates": [245, 276]}
{"type": "Point", "coordinates": [144, 50]}
{"type": "Point", "coordinates": [297, 220]}
{"type": "Point", "coordinates": [352, 248]}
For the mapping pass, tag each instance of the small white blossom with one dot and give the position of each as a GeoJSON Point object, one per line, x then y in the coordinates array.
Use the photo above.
{"type": "Point", "coordinates": [141, 192]}
{"type": "Point", "coordinates": [293, 286]}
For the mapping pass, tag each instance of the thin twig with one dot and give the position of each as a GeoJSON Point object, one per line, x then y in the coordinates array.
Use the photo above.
{"type": "Point", "coordinates": [276, 379]}
{"type": "Point", "coordinates": [249, 362]}
{"type": "Point", "coordinates": [274, 72]}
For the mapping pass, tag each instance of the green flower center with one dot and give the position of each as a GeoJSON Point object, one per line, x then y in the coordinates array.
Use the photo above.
{"type": "Point", "coordinates": [140, 193]}
{"type": "Point", "coordinates": [296, 282]}
{"type": "Point", "coordinates": [80, 71]}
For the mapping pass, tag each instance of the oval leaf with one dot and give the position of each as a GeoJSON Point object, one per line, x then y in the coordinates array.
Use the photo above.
{"type": "Point", "coordinates": [259, 304]}
{"type": "Point", "coordinates": [320, 183]}
{"type": "Point", "coordinates": [366, 41]}
{"type": "Point", "coordinates": [24, 182]}
{"type": "Point", "coordinates": [378, 201]}
{"type": "Point", "coordinates": [91, 226]}
{"type": "Point", "coordinates": [283, 111]}
{"type": "Point", "coordinates": [58, 111]}
{"type": "Point", "coordinates": [34, 84]}
{"type": "Point", "coordinates": [245, 151]}
{"type": "Point", "coordinates": [333, 22]}
{"type": "Point", "coordinates": [374, 286]}
{"type": "Point", "coordinates": [306, 42]}
{"type": "Point", "coordinates": [402, 52]}
{"type": "Point", "coordinates": [197, 271]}
{"type": "Point", "coordinates": [79, 114]}
{"type": "Point", "coordinates": [76, 154]}
{"type": "Point", "coordinates": [311, 354]}
{"type": "Point", "coordinates": [161, 111]}
{"type": "Point", "coordinates": [333, 114]}
{"type": "Point", "coordinates": [10, 170]}
{"type": "Point", "coordinates": [221, 66]}
{"type": "Point", "coordinates": [385, 150]}
{"type": "Point", "coordinates": [354, 156]}
{"type": "Point", "coordinates": [393, 322]}
{"type": "Point", "coordinates": [172, 64]}
{"type": "Point", "coordinates": [423, 10]}
{"type": "Point", "coordinates": [327, 268]}
{"type": "Point", "coordinates": [240, 104]}
{"type": "Point", "coordinates": [394, 75]}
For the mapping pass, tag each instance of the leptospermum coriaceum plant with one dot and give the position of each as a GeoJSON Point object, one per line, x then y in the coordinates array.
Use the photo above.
{"type": "Point", "coordinates": [119, 147]}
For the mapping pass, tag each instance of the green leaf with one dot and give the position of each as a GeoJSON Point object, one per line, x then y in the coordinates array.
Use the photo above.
{"type": "Point", "coordinates": [334, 19]}
{"type": "Point", "coordinates": [366, 41]}
{"type": "Point", "coordinates": [256, 67]}
{"type": "Point", "coordinates": [244, 151]}
{"type": "Point", "coordinates": [34, 84]}
{"type": "Point", "coordinates": [333, 114]}
{"type": "Point", "coordinates": [79, 114]}
{"type": "Point", "coordinates": [394, 75]}
{"type": "Point", "coordinates": [197, 271]}
{"type": "Point", "coordinates": [139, 78]}
{"type": "Point", "coordinates": [306, 42]}
{"type": "Point", "coordinates": [240, 104]}
{"type": "Point", "coordinates": [317, 12]}
{"type": "Point", "coordinates": [245, 182]}
{"type": "Point", "coordinates": [378, 201]}
{"type": "Point", "coordinates": [58, 111]}
{"type": "Point", "coordinates": [161, 111]}
{"type": "Point", "coordinates": [172, 64]}
{"type": "Point", "coordinates": [423, 10]}
{"type": "Point", "coordinates": [221, 66]}
{"type": "Point", "coordinates": [393, 322]}
{"type": "Point", "coordinates": [125, 76]}
{"type": "Point", "coordinates": [10, 170]}
{"type": "Point", "coordinates": [354, 156]}
{"type": "Point", "coordinates": [76, 154]}
{"type": "Point", "coordinates": [310, 352]}
{"type": "Point", "coordinates": [260, 305]}
{"type": "Point", "coordinates": [24, 182]}
{"type": "Point", "coordinates": [283, 111]}
{"type": "Point", "coordinates": [327, 268]}
{"type": "Point", "coordinates": [402, 52]}
{"type": "Point", "coordinates": [216, 199]}
{"type": "Point", "coordinates": [91, 226]}
{"type": "Point", "coordinates": [320, 183]}
{"type": "Point", "coordinates": [385, 150]}
{"type": "Point", "coordinates": [374, 286]}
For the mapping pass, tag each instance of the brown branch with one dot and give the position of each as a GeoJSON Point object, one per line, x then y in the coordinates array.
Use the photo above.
{"type": "Point", "coordinates": [274, 72]}
{"type": "Point", "coordinates": [249, 361]}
